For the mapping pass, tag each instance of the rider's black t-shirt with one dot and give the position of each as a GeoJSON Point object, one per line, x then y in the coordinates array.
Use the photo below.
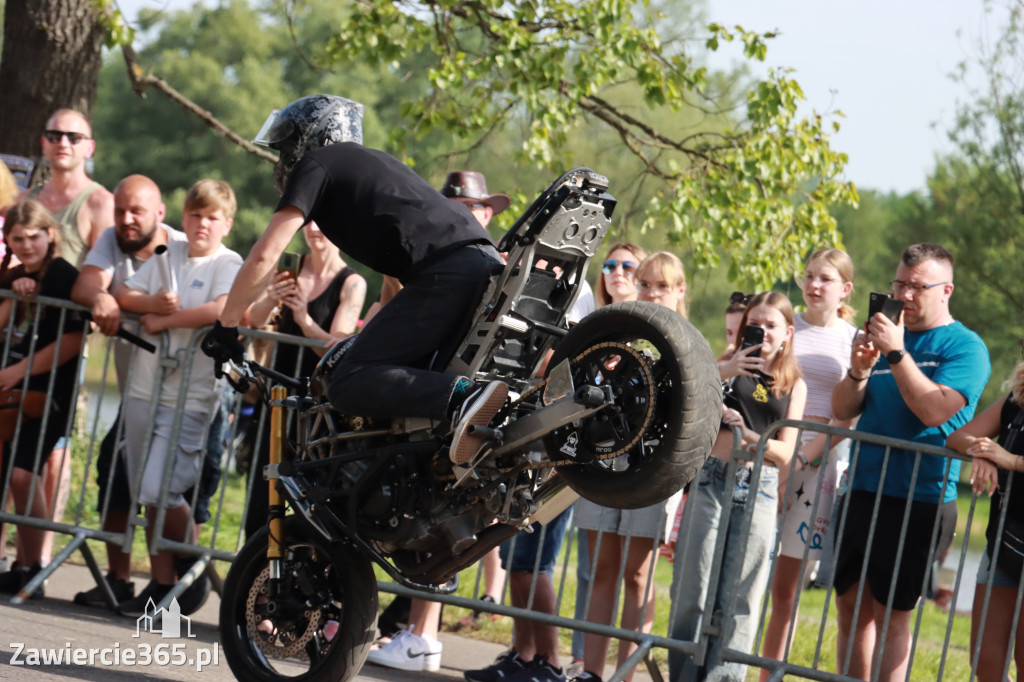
{"type": "Point", "coordinates": [377, 210]}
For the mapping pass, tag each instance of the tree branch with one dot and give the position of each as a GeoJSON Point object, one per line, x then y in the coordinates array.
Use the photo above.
{"type": "Point", "coordinates": [141, 81]}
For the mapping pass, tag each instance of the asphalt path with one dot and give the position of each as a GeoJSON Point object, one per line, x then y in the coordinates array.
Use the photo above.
{"type": "Point", "coordinates": [56, 624]}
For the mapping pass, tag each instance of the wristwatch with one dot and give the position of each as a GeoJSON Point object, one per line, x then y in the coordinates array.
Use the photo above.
{"type": "Point", "coordinates": [894, 356]}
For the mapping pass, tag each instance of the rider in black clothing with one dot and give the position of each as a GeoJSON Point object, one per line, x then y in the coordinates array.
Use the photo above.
{"type": "Point", "coordinates": [379, 212]}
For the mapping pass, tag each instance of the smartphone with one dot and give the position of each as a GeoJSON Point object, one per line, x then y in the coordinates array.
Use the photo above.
{"type": "Point", "coordinates": [885, 304]}
{"type": "Point", "coordinates": [289, 262]}
{"type": "Point", "coordinates": [752, 336]}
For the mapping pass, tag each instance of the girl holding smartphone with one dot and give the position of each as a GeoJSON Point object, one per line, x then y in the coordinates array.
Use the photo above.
{"type": "Point", "coordinates": [777, 392]}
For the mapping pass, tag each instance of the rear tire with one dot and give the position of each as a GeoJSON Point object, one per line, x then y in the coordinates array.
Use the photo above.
{"type": "Point", "coordinates": [667, 439]}
{"type": "Point", "coordinates": [322, 628]}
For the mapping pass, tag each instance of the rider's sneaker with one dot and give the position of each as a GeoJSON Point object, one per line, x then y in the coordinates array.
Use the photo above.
{"type": "Point", "coordinates": [539, 670]}
{"type": "Point", "coordinates": [123, 591]}
{"type": "Point", "coordinates": [408, 651]}
{"type": "Point", "coordinates": [478, 409]}
{"type": "Point", "coordinates": [504, 666]}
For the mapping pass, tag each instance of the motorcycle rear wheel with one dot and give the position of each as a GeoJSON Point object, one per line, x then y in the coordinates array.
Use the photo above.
{"type": "Point", "coordinates": [668, 405]}
{"type": "Point", "coordinates": [323, 633]}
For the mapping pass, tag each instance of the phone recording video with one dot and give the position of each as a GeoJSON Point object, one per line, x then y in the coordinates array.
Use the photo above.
{"type": "Point", "coordinates": [289, 262]}
{"type": "Point", "coordinates": [885, 304]}
{"type": "Point", "coordinates": [752, 336]}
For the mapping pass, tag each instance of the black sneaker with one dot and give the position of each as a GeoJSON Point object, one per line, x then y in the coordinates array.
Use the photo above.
{"type": "Point", "coordinates": [587, 676]}
{"type": "Point", "coordinates": [146, 602]}
{"type": "Point", "coordinates": [539, 670]}
{"type": "Point", "coordinates": [123, 591]}
{"type": "Point", "coordinates": [14, 580]}
{"type": "Point", "coordinates": [504, 666]}
{"type": "Point", "coordinates": [478, 409]}
{"type": "Point", "coordinates": [195, 595]}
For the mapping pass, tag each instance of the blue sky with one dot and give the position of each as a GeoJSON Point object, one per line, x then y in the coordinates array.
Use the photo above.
{"type": "Point", "coordinates": [884, 63]}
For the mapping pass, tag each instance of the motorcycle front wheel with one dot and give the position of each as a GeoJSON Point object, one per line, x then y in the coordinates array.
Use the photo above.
{"type": "Point", "coordinates": [667, 392]}
{"type": "Point", "coordinates": [318, 627]}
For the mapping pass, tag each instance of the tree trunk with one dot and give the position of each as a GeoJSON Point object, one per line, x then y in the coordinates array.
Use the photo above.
{"type": "Point", "coordinates": [52, 53]}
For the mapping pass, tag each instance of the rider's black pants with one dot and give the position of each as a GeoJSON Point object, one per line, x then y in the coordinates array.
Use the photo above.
{"type": "Point", "coordinates": [385, 372]}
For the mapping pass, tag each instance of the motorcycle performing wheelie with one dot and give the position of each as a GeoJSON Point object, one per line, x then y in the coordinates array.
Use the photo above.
{"type": "Point", "coordinates": [625, 417]}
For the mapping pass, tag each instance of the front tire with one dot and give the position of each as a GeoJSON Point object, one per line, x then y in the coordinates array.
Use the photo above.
{"type": "Point", "coordinates": [320, 628]}
{"type": "Point", "coordinates": [667, 410]}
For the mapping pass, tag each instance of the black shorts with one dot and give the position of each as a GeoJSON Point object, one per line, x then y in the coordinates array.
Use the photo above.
{"type": "Point", "coordinates": [914, 562]}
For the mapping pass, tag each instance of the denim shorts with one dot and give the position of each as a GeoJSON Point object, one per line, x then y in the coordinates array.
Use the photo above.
{"type": "Point", "coordinates": [524, 546]}
{"type": "Point", "coordinates": [1001, 579]}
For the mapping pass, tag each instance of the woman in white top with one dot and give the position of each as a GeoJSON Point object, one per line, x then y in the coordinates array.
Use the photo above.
{"type": "Point", "coordinates": [822, 342]}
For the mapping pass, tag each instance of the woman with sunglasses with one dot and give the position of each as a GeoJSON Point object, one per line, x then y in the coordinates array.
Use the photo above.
{"type": "Point", "coordinates": [629, 537]}
{"type": "Point", "coordinates": [616, 284]}
{"type": "Point", "coordinates": [821, 343]}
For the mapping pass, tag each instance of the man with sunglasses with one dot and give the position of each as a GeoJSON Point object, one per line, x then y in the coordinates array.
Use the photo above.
{"type": "Point", "coordinates": [917, 379]}
{"type": "Point", "coordinates": [83, 208]}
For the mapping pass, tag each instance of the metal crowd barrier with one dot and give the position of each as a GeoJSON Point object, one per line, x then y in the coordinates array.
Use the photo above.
{"type": "Point", "coordinates": [223, 536]}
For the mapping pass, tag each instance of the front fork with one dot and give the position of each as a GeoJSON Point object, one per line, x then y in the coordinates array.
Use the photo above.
{"type": "Point", "coordinates": [276, 540]}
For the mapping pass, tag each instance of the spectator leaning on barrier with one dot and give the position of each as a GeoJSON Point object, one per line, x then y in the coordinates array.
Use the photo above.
{"type": "Point", "coordinates": [990, 472]}
{"type": "Point", "coordinates": [775, 392]}
{"type": "Point", "coordinates": [119, 252]}
{"type": "Point", "coordinates": [31, 235]}
{"type": "Point", "coordinates": [204, 270]}
{"type": "Point", "coordinates": [917, 380]}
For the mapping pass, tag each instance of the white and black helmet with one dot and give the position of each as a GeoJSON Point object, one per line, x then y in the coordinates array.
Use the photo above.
{"type": "Point", "coordinates": [306, 124]}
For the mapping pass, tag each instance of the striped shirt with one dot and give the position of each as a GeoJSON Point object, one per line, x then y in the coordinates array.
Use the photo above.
{"type": "Point", "coordinates": [823, 354]}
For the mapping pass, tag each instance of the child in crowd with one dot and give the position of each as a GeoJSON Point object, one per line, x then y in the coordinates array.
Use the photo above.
{"type": "Point", "coordinates": [30, 232]}
{"type": "Point", "coordinates": [632, 535]}
{"type": "Point", "coordinates": [774, 392]}
{"type": "Point", "coordinates": [203, 271]}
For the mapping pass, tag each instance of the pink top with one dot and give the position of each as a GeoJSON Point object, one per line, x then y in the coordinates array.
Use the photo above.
{"type": "Point", "coordinates": [823, 354]}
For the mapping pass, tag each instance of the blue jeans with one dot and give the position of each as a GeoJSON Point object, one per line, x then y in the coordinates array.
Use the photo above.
{"type": "Point", "coordinates": [744, 572]}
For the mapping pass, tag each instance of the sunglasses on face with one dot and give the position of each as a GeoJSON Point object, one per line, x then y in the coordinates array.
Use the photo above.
{"type": "Point", "coordinates": [609, 266]}
{"type": "Point", "coordinates": [740, 297]}
{"type": "Point", "coordinates": [53, 136]}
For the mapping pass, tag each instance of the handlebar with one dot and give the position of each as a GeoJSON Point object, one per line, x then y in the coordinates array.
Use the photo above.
{"type": "Point", "coordinates": [242, 375]}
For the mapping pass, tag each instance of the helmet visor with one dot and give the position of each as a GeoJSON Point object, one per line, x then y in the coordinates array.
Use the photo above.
{"type": "Point", "coordinates": [274, 131]}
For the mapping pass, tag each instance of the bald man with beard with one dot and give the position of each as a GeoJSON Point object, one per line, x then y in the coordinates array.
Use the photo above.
{"type": "Point", "coordinates": [118, 252]}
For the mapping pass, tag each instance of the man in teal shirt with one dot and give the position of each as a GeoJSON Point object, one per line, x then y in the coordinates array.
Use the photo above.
{"type": "Point", "coordinates": [918, 379]}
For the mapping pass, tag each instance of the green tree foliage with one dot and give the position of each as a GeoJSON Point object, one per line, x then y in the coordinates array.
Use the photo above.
{"type": "Point", "coordinates": [748, 176]}
{"type": "Point", "coordinates": [976, 206]}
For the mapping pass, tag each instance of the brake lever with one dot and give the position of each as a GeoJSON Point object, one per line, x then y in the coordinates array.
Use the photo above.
{"type": "Point", "coordinates": [238, 375]}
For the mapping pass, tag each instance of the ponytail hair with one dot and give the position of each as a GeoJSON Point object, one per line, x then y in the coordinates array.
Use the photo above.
{"type": "Point", "coordinates": [843, 264]}
{"type": "Point", "coordinates": [784, 370]}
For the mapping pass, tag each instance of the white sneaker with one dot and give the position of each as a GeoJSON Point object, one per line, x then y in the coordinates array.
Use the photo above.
{"type": "Point", "coordinates": [407, 651]}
